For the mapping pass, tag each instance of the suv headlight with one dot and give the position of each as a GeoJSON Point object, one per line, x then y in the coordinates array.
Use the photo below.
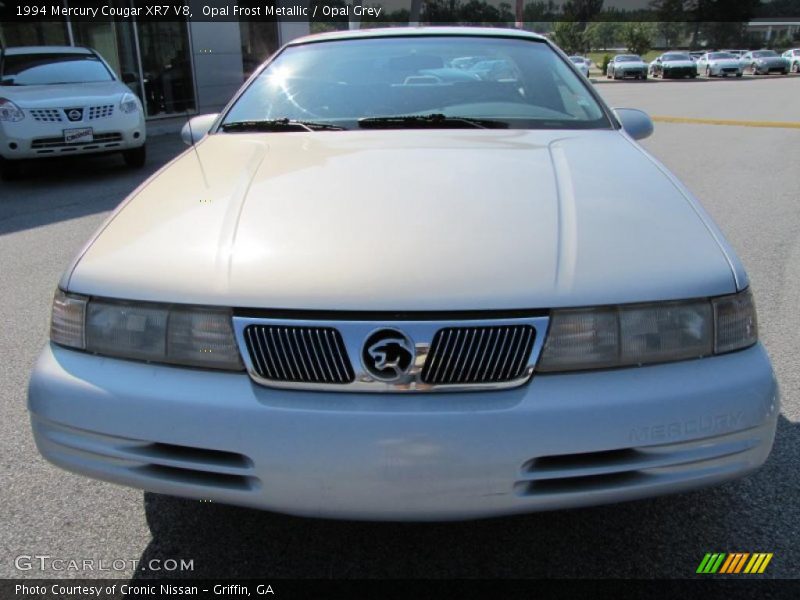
{"type": "Point", "coordinates": [10, 111]}
{"type": "Point", "coordinates": [129, 103]}
{"type": "Point", "coordinates": [194, 336]}
{"type": "Point", "coordinates": [639, 334]}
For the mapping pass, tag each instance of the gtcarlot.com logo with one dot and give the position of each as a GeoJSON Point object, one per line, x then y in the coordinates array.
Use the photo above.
{"type": "Point", "coordinates": [45, 562]}
{"type": "Point", "coordinates": [734, 563]}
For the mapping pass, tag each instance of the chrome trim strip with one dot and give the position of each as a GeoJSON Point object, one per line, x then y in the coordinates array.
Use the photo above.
{"type": "Point", "coordinates": [421, 333]}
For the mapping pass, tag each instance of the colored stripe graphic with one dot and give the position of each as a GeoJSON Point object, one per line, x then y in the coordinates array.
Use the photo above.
{"type": "Point", "coordinates": [711, 562]}
{"type": "Point", "coordinates": [758, 563]}
{"type": "Point", "coordinates": [734, 562]}
{"type": "Point", "coordinates": [722, 563]}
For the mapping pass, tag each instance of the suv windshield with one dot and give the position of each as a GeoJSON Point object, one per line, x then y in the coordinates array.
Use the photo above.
{"type": "Point", "coordinates": [514, 83]}
{"type": "Point", "coordinates": [53, 68]}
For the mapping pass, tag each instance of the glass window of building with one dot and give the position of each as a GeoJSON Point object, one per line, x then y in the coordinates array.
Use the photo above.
{"type": "Point", "coordinates": [167, 67]}
{"type": "Point", "coordinates": [45, 33]}
{"type": "Point", "coordinates": [259, 41]}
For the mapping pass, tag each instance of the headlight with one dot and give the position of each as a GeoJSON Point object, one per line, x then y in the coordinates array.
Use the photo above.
{"type": "Point", "coordinates": [183, 335]}
{"type": "Point", "coordinates": [129, 103]}
{"type": "Point", "coordinates": [10, 111]}
{"type": "Point", "coordinates": [631, 335]}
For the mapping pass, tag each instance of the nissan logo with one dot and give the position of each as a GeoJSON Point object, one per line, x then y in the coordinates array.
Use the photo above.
{"type": "Point", "coordinates": [387, 355]}
{"type": "Point", "coordinates": [74, 114]}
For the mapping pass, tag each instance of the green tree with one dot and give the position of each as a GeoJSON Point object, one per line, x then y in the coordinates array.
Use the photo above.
{"type": "Point", "coordinates": [602, 34]}
{"type": "Point", "coordinates": [582, 11]}
{"type": "Point", "coordinates": [538, 11]}
{"type": "Point", "coordinates": [670, 15]}
{"type": "Point", "coordinates": [638, 37]}
{"type": "Point", "coordinates": [568, 36]}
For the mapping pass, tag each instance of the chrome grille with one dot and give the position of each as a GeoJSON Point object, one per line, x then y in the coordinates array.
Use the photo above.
{"type": "Point", "coordinates": [298, 354]}
{"type": "Point", "coordinates": [100, 112]}
{"type": "Point", "coordinates": [58, 142]}
{"type": "Point", "coordinates": [48, 115]}
{"type": "Point", "coordinates": [478, 354]}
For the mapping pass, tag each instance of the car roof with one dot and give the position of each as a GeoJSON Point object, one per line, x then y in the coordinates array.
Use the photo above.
{"type": "Point", "coordinates": [386, 32]}
{"type": "Point", "coordinates": [46, 50]}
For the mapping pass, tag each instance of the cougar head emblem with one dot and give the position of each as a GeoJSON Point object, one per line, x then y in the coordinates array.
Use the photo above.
{"type": "Point", "coordinates": [388, 354]}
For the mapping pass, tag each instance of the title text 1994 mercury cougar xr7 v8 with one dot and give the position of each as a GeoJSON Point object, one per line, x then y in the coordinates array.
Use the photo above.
{"type": "Point", "coordinates": [382, 287]}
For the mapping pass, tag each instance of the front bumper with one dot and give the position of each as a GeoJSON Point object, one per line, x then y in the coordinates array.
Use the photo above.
{"type": "Point", "coordinates": [679, 71]}
{"type": "Point", "coordinates": [771, 67]}
{"type": "Point", "coordinates": [725, 69]}
{"type": "Point", "coordinates": [28, 138]}
{"type": "Point", "coordinates": [632, 72]}
{"type": "Point", "coordinates": [561, 441]}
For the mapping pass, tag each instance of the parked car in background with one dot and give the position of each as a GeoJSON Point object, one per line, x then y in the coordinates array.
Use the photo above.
{"type": "Point", "coordinates": [764, 62]}
{"type": "Point", "coordinates": [719, 64]}
{"type": "Point", "coordinates": [582, 63]}
{"type": "Point", "coordinates": [365, 298]}
{"type": "Point", "coordinates": [793, 56]}
{"type": "Point", "coordinates": [627, 65]}
{"type": "Point", "coordinates": [696, 54]}
{"type": "Point", "coordinates": [673, 65]}
{"type": "Point", "coordinates": [64, 100]}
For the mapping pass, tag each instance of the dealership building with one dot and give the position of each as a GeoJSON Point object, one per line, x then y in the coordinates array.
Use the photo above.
{"type": "Point", "coordinates": [175, 67]}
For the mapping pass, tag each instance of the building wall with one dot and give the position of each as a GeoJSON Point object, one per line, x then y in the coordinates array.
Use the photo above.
{"type": "Point", "coordinates": [289, 30]}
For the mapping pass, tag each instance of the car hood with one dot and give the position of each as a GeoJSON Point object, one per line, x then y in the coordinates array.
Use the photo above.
{"type": "Point", "coordinates": [63, 95]}
{"type": "Point", "coordinates": [630, 65]}
{"type": "Point", "coordinates": [407, 220]}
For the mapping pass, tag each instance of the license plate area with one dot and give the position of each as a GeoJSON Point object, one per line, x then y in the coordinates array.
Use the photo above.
{"type": "Point", "coordinates": [81, 135]}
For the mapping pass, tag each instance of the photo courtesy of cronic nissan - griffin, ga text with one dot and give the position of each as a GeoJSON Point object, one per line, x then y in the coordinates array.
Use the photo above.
{"type": "Point", "coordinates": [383, 284]}
{"type": "Point", "coordinates": [65, 101]}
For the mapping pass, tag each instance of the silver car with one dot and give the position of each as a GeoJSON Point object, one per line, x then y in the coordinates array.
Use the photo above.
{"type": "Point", "coordinates": [793, 56]}
{"type": "Point", "coordinates": [719, 64]}
{"type": "Point", "coordinates": [673, 65]}
{"type": "Point", "coordinates": [764, 62]}
{"type": "Point", "coordinates": [627, 65]}
{"type": "Point", "coordinates": [365, 294]}
{"type": "Point", "coordinates": [582, 64]}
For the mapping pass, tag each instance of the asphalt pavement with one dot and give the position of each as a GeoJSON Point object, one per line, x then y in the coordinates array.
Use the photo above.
{"type": "Point", "coordinates": [746, 177]}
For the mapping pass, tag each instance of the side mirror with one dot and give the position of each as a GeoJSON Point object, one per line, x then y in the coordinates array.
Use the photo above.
{"type": "Point", "coordinates": [636, 123]}
{"type": "Point", "coordinates": [196, 128]}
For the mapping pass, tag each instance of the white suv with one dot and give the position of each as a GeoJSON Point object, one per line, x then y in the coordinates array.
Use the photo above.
{"type": "Point", "coordinates": [61, 100]}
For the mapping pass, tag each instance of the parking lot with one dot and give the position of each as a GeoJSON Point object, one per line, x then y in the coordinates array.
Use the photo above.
{"type": "Point", "coordinates": [747, 177]}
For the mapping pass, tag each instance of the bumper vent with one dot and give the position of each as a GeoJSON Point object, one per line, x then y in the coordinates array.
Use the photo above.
{"type": "Point", "coordinates": [478, 354]}
{"type": "Point", "coordinates": [298, 354]}
{"type": "Point", "coordinates": [58, 142]}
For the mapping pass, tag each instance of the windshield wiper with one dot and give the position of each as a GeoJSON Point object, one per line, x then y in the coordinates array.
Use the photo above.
{"type": "Point", "coordinates": [284, 124]}
{"type": "Point", "coordinates": [435, 121]}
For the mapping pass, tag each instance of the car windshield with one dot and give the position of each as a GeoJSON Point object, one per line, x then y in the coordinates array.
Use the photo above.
{"type": "Point", "coordinates": [675, 57]}
{"type": "Point", "coordinates": [628, 58]}
{"type": "Point", "coordinates": [764, 53]}
{"type": "Point", "coordinates": [53, 68]}
{"type": "Point", "coordinates": [719, 55]}
{"type": "Point", "coordinates": [515, 83]}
